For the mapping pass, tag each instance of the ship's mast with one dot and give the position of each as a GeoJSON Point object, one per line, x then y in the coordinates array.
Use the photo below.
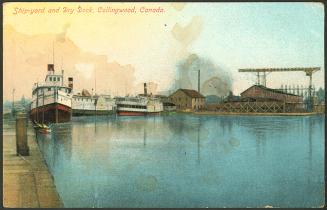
{"type": "Point", "coordinates": [62, 72]}
{"type": "Point", "coordinates": [53, 54]}
{"type": "Point", "coordinates": [13, 101]}
{"type": "Point", "coordinates": [56, 90]}
{"type": "Point", "coordinates": [95, 91]}
{"type": "Point", "coordinates": [95, 81]}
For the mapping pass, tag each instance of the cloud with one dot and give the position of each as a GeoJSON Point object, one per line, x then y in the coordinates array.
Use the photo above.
{"type": "Point", "coordinates": [86, 69]}
{"type": "Point", "coordinates": [62, 36]}
{"type": "Point", "coordinates": [27, 56]}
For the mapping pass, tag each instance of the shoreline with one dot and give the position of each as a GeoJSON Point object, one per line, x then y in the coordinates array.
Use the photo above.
{"type": "Point", "coordinates": [214, 113]}
{"type": "Point", "coordinates": [27, 181]}
{"type": "Point", "coordinates": [256, 114]}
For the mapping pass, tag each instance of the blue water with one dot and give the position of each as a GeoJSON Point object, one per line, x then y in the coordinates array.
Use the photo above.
{"type": "Point", "coordinates": [188, 161]}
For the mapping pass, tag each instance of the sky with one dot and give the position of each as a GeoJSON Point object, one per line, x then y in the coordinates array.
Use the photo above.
{"type": "Point", "coordinates": [230, 35]}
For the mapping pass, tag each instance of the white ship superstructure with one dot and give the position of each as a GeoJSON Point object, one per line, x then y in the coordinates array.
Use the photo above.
{"type": "Point", "coordinates": [87, 104]}
{"type": "Point", "coordinates": [51, 101]}
{"type": "Point", "coordinates": [138, 105]}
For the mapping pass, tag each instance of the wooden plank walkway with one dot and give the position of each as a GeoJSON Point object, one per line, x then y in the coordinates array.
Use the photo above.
{"type": "Point", "coordinates": [27, 182]}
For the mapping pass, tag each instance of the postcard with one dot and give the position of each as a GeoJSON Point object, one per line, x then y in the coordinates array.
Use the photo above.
{"type": "Point", "coordinates": [163, 105]}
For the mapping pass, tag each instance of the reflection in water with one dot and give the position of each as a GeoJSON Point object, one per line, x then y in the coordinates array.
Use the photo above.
{"type": "Point", "coordinates": [187, 161]}
{"type": "Point", "coordinates": [259, 140]}
{"type": "Point", "coordinates": [56, 144]}
{"type": "Point", "coordinates": [263, 127]}
{"type": "Point", "coordinates": [310, 142]}
{"type": "Point", "coordinates": [198, 131]}
{"type": "Point", "coordinates": [95, 124]}
{"type": "Point", "coordinates": [144, 137]}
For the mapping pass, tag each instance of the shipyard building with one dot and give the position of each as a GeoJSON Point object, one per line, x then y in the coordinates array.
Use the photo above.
{"type": "Point", "coordinates": [259, 98]}
{"type": "Point", "coordinates": [187, 99]}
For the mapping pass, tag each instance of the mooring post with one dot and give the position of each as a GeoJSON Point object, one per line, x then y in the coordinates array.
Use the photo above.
{"type": "Point", "coordinates": [21, 136]}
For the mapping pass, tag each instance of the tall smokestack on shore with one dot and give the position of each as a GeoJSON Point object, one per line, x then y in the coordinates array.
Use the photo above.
{"type": "Point", "coordinates": [199, 80]}
{"type": "Point", "coordinates": [145, 89]}
{"type": "Point", "coordinates": [211, 79]}
{"type": "Point", "coordinates": [70, 82]}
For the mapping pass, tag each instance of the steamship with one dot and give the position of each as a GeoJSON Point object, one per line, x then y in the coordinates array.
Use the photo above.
{"type": "Point", "coordinates": [86, 104]}
{"type": "Point", "coordinates": [139, 105]}
{"type": "Point", "coordinates": [52, 101]}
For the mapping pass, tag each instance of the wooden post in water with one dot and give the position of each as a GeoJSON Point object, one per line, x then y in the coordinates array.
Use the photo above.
{"type": "Point", "coordinates": [21, 136]}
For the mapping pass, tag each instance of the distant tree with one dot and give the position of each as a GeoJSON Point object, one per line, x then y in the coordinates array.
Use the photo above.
{"type": "Point", "coordinates": [23, 100]}
{"type": "Point", "coordinates": [321, 95]}
{"type": "Point", "coordinates": [7, 104]}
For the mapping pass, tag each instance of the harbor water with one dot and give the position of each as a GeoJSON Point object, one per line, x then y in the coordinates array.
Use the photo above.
{"type": "Point", "coordinates": [187, 160]}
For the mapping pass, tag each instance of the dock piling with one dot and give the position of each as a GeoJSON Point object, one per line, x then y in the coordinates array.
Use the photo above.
{"type": "Point", "coordinates": [21, 136]}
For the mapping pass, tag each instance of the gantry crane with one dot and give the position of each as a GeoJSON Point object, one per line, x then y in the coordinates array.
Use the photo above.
{"type": "Point", "coordinates": [263, 72]}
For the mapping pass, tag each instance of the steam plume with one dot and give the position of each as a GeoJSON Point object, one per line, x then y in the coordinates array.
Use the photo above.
{"type": "Point", "coordinates": [214, 80]}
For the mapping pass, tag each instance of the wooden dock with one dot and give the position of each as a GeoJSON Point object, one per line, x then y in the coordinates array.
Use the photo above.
{"type": "Point", "coordinates": [257, 113]}
{"type": "Point", "coordinates": [27, 182]}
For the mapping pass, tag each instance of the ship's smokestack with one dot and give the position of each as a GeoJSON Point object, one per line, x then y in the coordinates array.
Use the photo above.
{"type": "Point", "coordinates": [51, 68]}
{"type": "Point", "coordinates": [70, 82]}
{"type": "Point", "coordinates": [145, 90]}
{"type": "Point", "coordinates": [62, 80]}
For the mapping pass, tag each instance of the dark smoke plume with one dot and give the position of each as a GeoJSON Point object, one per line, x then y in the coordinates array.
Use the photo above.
{"type": "Point", "coordinates": [214, 79]}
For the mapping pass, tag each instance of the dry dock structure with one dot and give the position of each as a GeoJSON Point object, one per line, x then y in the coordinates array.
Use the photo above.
{"type": "Point", "coordinates": [257, 113]}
